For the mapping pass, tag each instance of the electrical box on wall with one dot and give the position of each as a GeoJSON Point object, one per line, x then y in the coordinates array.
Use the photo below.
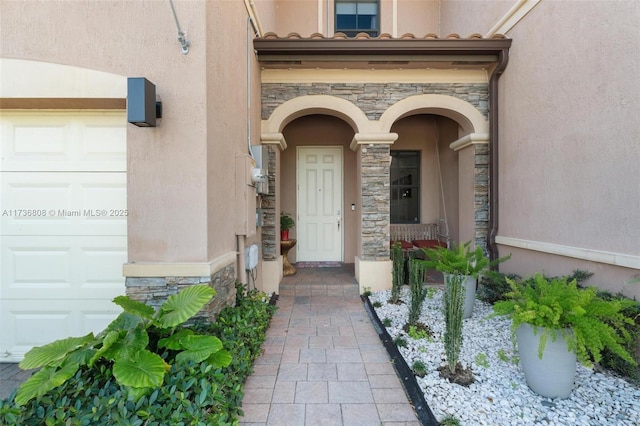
{"type": "Point", "coordinates": [245, 223]}
{"type": "Point", "coordinates": [261, 154]}
{"type": "Point", "coordinates": [259, 217]}
{"type": "Point", "coordinates": [251, 257]}
{"type": "Point", "coordinates": [259, 180]}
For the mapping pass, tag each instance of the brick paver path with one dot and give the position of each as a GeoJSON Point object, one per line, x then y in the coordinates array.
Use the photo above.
{"type": "Point", "coordinates": [323, 362]}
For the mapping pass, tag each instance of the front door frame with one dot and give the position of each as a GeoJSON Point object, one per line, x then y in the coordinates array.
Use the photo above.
{"type": "Point", "coordinates": [299, 189]}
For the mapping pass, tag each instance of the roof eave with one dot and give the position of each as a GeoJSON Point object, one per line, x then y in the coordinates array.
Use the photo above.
{"type": "Point", "coordinates": [365, 48]}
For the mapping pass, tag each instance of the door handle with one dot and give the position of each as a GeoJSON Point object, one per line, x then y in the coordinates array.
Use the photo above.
{"type": "Point", "coordinates": [338, 222]}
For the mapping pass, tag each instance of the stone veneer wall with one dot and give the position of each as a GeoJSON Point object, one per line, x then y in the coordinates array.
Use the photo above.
{"type": "Point", "coordinates": [153, 291]}
{"type": "Point", "coordinates": [270, 244]}
{"type": "Point", "coordinates": [375, 201]}
{"type": "Point", "coordinates": [374, 99]}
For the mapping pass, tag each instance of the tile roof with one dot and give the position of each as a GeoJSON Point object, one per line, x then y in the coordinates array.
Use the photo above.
{"type": "Point", "coordinates": [383, 36]}
{"type": "Point", "coordinates": [317, 50]}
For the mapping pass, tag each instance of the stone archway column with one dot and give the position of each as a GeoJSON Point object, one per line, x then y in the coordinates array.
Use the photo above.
{"type": "Point", "coordinates": [473, 187]}
{"type": "Point", "coordinates": [372, 264]}
{"type": "Point", "coordinates": [271, 258]}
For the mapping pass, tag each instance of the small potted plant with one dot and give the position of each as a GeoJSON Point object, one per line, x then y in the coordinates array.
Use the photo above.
{"type": "Point", "coordinates": [463, 264]}
{"type": "Point", "coordinates": [286, 223]}
{"type": "Point", "coordinates": [556, 322]}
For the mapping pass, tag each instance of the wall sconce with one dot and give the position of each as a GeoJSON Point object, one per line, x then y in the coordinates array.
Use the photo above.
{"type": "Point", "coordinates": [142, 108]}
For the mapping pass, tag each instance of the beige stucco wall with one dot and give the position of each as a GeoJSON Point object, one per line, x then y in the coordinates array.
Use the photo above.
{"type": "Point", "coordinates": [322, 130]}
{"type": "Point", "coordinates": [569, 134]}
{"type": "Point", "coordinates": [178, 182]}
{"type": "Point", "coordinates": [306, 17]}
{"type": "Point", "coordinates": [227, 116]}
{"type": "Point", "coordinates": [296, 16]}
{"type": "Point", "coordinates": [418, 17]}
{"type": "Point", "coordinates": [466, 17]}
{"type": "Point", "coordinates": [266, 12]}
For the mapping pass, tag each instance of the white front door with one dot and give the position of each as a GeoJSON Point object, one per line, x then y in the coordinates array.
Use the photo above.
{"type": "Point", "coordinates": [63, 225]}
{"type": "Point", "coordinates": [319, 227]}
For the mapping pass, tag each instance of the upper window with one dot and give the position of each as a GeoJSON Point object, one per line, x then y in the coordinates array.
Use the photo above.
{"type": "Point", "coordinates": [357, 16]}
{"type": "Point", "coordinates": [405, 186]}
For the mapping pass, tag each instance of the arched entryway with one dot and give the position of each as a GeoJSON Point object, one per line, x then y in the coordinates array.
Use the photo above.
{"type": "Point", "coordinates": [318, 195]}
{"type": "Point", "coordinates": [461, 131]}
{"type": "Point", "coordinates": [425, 188]}
{"type": "Point", "coordinates": [453, 175]}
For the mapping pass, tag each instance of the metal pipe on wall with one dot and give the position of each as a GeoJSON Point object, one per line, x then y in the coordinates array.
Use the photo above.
{"type": "Point", "coordinates": [493, 154]}
{"type": "Point", "coordinates": [242, 273]}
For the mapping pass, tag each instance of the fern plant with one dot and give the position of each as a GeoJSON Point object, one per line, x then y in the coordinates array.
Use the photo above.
{"type": "Point", "coordinates": [460, 260]}
{"type": "Point", "coordinates": [397, 256]}
{"type": "Point", "coordinates": [554, 305]}
{"type": "Point", "coordinates": [125, 342]}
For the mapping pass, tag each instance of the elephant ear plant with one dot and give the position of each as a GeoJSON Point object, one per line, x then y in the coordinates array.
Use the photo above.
{"type": "Point", "coordinates": [139, 363]}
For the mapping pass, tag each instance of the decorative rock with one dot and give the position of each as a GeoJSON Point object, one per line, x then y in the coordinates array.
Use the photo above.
{"type": "Point", "coordinates": [597, 399]}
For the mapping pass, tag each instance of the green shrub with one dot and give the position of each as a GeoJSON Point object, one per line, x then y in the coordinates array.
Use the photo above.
{"type": "Point", "coordinates": [400, 342]}
{"type": "Point", "coordinates": [494, 286]}
{"type": "Point", "coordinates": [450, 420]}
{"type": "Point", "coordinates": [481, 360]}
{"type": "Point", "coordinates": [614, 362]}
{"type": "Point", "coordinates": [193, 393]}
{"type": "Point", "coordinates": [419, 333]}
{"type": "Point", "coordinates": [419, 368]}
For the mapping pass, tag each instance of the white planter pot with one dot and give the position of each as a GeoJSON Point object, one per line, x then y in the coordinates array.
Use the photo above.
{"type": "Point", "coordinates": [469, 284]}
{"type": "Point", "coordinates": [554, 374]}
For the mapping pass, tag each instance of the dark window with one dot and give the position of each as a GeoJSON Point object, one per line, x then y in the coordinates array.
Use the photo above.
{"type": "Point", "coordinates": [405, 186]}
{"type": "Point", "coordinates": [357, 16]}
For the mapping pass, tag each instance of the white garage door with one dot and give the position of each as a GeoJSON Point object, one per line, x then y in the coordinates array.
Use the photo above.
{"type": "Point", "coordinates": [63, 225]}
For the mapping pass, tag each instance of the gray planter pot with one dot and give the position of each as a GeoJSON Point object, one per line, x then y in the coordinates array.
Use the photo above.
{"type": "Point", "coordinates": [554, 374]}
{"type": "Point", "coordinates": [469, 285]}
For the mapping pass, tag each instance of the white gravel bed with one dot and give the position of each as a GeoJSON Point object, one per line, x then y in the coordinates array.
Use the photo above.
{"type": "Point", "coordinates": [500, 395]}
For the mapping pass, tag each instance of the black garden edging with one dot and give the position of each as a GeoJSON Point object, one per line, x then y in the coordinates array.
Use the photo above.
{"type": "Point", "coordinates": [415, 394]}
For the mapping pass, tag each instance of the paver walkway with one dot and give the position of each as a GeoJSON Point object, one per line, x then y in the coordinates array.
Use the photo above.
{"type": "Point", "coordinates": [11, 376]}
{"type": "Point", "coordinates": [323, 362]}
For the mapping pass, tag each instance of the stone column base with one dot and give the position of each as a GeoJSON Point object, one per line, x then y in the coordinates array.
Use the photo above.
{"type": "Point", "coordinates": [373, 275]}
{"type": "Point", "coordinates": [272, 275]}
{"type": "Point", "coordinates": [154, 283]}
